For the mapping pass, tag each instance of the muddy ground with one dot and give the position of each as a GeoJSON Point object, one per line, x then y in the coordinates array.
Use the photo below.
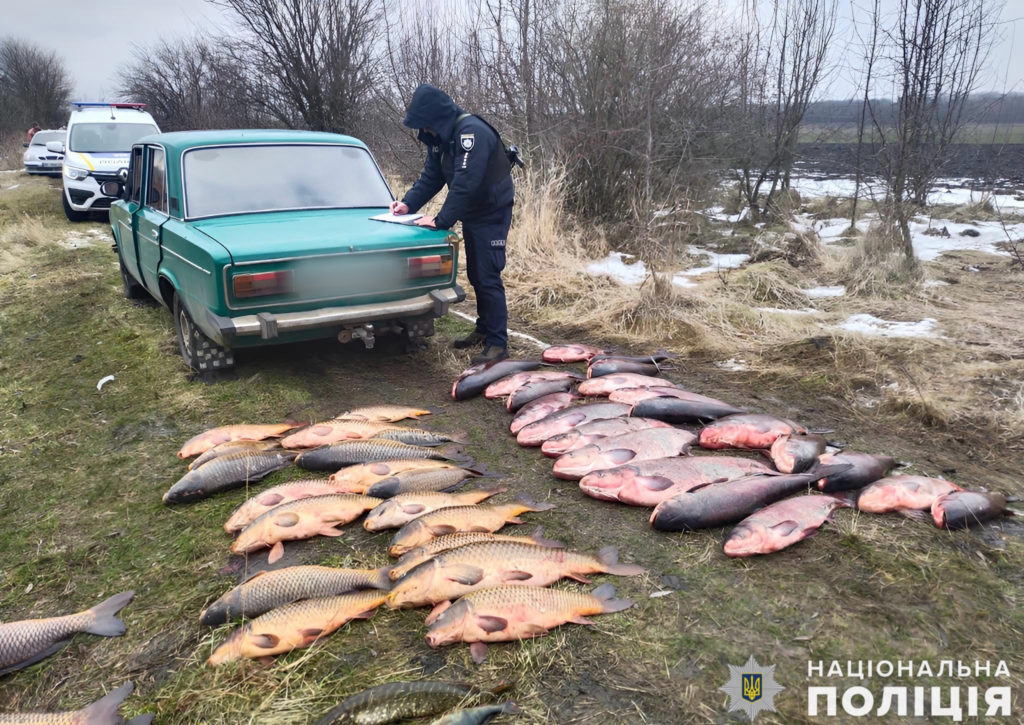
{"type": "Point", "coordinates": [82, 472]}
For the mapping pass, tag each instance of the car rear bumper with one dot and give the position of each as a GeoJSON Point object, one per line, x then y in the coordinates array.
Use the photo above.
{"type": "Point", "coordinates": [269, 326]}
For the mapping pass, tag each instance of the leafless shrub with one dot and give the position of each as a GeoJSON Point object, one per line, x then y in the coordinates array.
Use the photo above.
{"type": "Point", "coordinates": [34, 86]}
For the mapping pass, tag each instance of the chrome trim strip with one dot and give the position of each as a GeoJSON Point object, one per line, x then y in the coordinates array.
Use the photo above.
{"type": "Point", "coordinates": [188, 262]}
{"type": "Point", "coordinates": [443, 243]}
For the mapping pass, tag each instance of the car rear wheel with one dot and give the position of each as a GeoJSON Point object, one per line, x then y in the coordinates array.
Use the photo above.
{"type": "Point", "coordinates": [132, 290]}
{"type": "Point", "coordinates": [71, 214]}
{"type": "Point", "coordinates": [197, 350]}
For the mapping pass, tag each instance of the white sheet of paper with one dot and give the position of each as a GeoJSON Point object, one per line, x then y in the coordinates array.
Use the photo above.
{"type": "Point", "coordinates": [397, 218]}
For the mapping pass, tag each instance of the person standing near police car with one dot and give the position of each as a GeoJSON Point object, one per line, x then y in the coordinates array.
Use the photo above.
{"type": "Point", "coordinates": [466, 153]}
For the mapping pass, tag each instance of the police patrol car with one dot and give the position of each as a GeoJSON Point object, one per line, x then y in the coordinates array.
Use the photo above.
{"type": "Point", "coordinates": [98, 145]}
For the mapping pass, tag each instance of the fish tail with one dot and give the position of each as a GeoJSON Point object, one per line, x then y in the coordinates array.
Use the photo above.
{"type": "Point", "coordinates": [105, 709]}
{"type": "Point", "coordinates": [609, 558]}
{"type": "Point", "coordinates": [525, 499]}
{"type": "Point", "coordinates": [606, 595]}
{"type": "Point", "coordinates": [104, 623]}
{"type": "Point", "coordinates": [538, 538]}
{"type": "Point", "coordinates": [454, 452]}
{"type": "Point", "coordinates": [461, 437]}
{"type": "Point", "coordinates": [382, 580]}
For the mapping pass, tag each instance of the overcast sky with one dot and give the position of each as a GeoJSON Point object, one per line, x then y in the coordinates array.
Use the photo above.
{"type": "Point", "coordinates": [95, 38]}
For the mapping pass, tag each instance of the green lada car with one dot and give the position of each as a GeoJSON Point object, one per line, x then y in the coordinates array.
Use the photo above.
{"type": "Point", "coordinates": [264, 237]}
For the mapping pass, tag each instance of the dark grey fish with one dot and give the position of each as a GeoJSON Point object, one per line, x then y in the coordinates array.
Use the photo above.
{"type": "Point", "coordinates": [477, 715]}
{"type": "Point", "coordinates": [434, 479]}
{"type": "Point", "coordinates": [227, 472]}
{"type": "Point", "coordinates": [728, 502]}
{"type": "Point", "coordinates": [397, 701]}
{"type": "Point", "coordinates": [368, 450]}
{"type": "Point", "coordinates": [680, 408]}
{"type": "Point", "coordinates": [532, 391]}
{"type": "Point", "coordinates": [961, 509]}
{"type": "Point", "coordinates": [473, 380]}
{"type": "Point", "coordinates": [796, 453]}
{"type": "Point", "coordinates": [656, 357]}
{"type": "Point", "coordinates": [863, 468]}
{"type": "Point", "coordinates": [608, 367]}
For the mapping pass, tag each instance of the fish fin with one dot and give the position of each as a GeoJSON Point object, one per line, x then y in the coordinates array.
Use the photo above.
{"type": "Point", "coordinates": [620, 456]}
{"type": "Point", "coordinates": [52, 649]}
{"type": "Point", "coordinates": [609, 557]}
{"type": "Point", "coordinates": [453, 452]}
{"type": "Point", "coordinates": [104, 622]}
{"type": "Point", "coordinates": [366, 614]}
{"type": "Point", "coordinates": [538, 538]}
{"type": "Point", "coordinates": [526, 499]}
{"type": "Point", "coordinates": [466, 574]}
{"type": "Point", "coordinates": [579, 578]}
{"type": "Point", "coordinates": [311, 633]}
{"type": "Point", "coordinates": [459, 437]}
{"type": "Point", "coordinates": [606, 593]}
{"type": "Point", "coordinates": [266, 660]}
{"type": "Point", "coordinates": [254, 575]}
{"type": "Point", "coordinates": [785, 528]}
{"type": "Point", "coordinates": [493, 489]}
{"type": "Point", "coordinates": [478, 651]}
{"type": "Point", "coordinates": [383, 579]}
{"type": "Point", "coordinates": [442, 529]}
{"type": "Point", "coordinates": [413, 508]}
{"type": "Point", "coordinates": [708, 483]}
{"type": "Point", "coordinates": [276, 552]}
{"type": "Point", "coordinates": [915, 514]}
{"type": "Point", "coordinates": [532, 629]}
{"type": "Point", "coordinates": [105, 709]}
{"type": "Point", "coordinates": [330, 531]}
{"type": "Point", "coordinates": [286, 519]}
{"type": "Point", "coordinates": [491, 624]}
{"type": "Point", "coordinates": [515, 520]}
{"type": "Point", "coordinates": [436, 612]}
{"type": "Point", "coordinates": [265, 641]}
{"type": "Point", "coordinates": [655, 483]}
{"type": "Point", "coordinates": [581, 620]}
{"type": "Point", "coordinates": [516, 575]}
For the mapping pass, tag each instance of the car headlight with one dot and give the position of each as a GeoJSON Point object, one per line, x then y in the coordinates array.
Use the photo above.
{"type": "Point", "coordinates": [73, 172]}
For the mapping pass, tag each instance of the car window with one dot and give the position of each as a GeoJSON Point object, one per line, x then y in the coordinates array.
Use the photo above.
{"type": "Point", "coordinates": [43, 137]}
{"type": "Point", "coordinates": [107, 137]}
{"type": "Point", "coordinates": [135, 175]}
{"type": "Point", "coordinates": [156, 180]}
{"type": "Point", "coordinates": [253, 178]}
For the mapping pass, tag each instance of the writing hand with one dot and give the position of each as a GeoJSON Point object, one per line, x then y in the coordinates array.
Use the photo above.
{"type": "Point", "coordinates": [426, 221]}
{"type": "Point", "coordinates": [398, 207]}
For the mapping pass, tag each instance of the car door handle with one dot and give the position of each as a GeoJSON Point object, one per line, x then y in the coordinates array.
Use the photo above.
{"type": "Point", "coordinates": [154, 233]}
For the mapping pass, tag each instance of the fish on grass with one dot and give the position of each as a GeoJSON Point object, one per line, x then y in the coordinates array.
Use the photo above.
{"type": "Point", "coordinates": [344, 453]}
{"type": "Point", "coordinates": [450, 520]}
{"type": "Point", "coordinates": [641, 445]}
{"type": "Point", "coordinates": [605, 384]}
{"type": "Point", "coordinates": [570, 353]}
{"type": "Point", "coordinates": [28, 641]}
{"type": "Point", "coordinates": [903, 493]}
{"type": "Point", "coordinates": [683, 407]}
{"type": "Point", "coordinates": [565, 420]}
{"type": "Point", "coordinates": [101, 712]}
{"type": "Point", "coordinates": [275, 496]}
{"type": "Point", "coordinates": [613, 366]}
{"type": "Point", "coordinates": [396, 701]}
{"type": "Point", "coordinates": [486, 564]}
{"type": "Point", "coordinates": [536, 390]}
{"type": "Point", "coordinates": [648, 483]}
{"type": "Point", "coordinates": [295, 626]}
{"type": "Point", "coordinates": [301, 519]}
{"type": "Point", "coordinates": [510, 613]}
{"type": "Point", "coordinates": [404, 507]}
{"type": "Point", "coordinates": [357, 478]}
{"type": "Point", "coordinates": [747, 430]}
{"type": "Point", "coordinates": [266, 590]}
{"type": "Point", "coordinates": [436, 479]}
{"type": "Point", "coordinates": [242, 431]}
{"type": "Point", "coordinates": [795, 453]}
{"type": "Point", "coordinates": [232, 447]}
{"type": "Point", "coordinates": [728, 502]}
{"type": "Point", "coordinates": [862, 469]}
{"type": "Point", "coordinates": [960, 509]}
{"type": "Point", "coordinates": [386, 413]}
{"type": "Point", "coordinates": [413, 558]}
{"type": "Point", "coordinates": [478, 715]}
{"type": "Point", "coordinates": [227, 472]}
{"type": "Point", "coordinates": [474, 380]}
{"type": "Point", "coordinates": [511, 383]}
{"type": "Point", "coordinates": [584, 435]}
{"type": "Point", "coordinates": [782, 524]}
{"type": "Point", "coordinates": [332, 431]}
{"type": "Point", "coordinates": [540, 408]}
{"type": "Point", "coordinates": [659, 356]}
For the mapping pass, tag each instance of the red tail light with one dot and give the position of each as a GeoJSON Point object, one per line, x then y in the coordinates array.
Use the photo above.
{"type": "Point", "coordinates": [262, 283]}
{"type": "Point", "coordinates": [435, 265]}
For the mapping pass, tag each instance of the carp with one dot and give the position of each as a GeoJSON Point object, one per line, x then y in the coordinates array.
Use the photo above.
{"type": "Point", "coordinates": [266, 590]}
{"type": "Point", "coordinates": [611, 366]}
{"type": "Point", "coordinates": [357, 478]}
{"type": "Point", "coordinates": [301, 519]}
{"type": "Point", "coordinates": [222, 434]}
{"type": "Point", "coordinates": [478, 715]}
{"type": "Point", "coordinates": [570, 353]}
{"type": "Point", "coordinates": [449, 520]}
{"type": "Point", "coordinates": [101, 712]}
{"type": "Point", "coordinates": [342, 453]}
{"type": "Point", "coordinates": [413, 558]}
{"type": "Point", "coordinates": [333, 431]}
{"type": "Point", "coordinates": [475, 379]}
{"type": "Point", "coordinates": [384, 413]}
{"type": "Point", "coordinates": [538, 389]}
{"type": "Point", "coordinates": [296, 625]}
{"type": "Point", "coordinates": [862, 469]}
{"type": "Point", "coordinates": [405, 507]}
{"type": "Point", "coordinates": [659, 356]}
{"type": "Point", "coordinates": [605, 384]}
{"type": "Point", "coordinates": [795, 453]}
{"type": "Point", "coordinates": [747, 430]}
{"type": "Point", "coordinates": [223, 449]}
{"type": "Point", "coordinates": [583, 435]}
{"type": "Point", "coordinates": [728, 502]}
{"type": "Point", "coordinates": [227, 472]}
{"type": "Point", "coordinates": [277, 495]}
{"type": "Point", "coordinates": [395, 701]}
{"type": "Point", "coordinates": [436, 479]}
{"type": "Point", "coordinates": [782, 524]}
{"type": "Point", "coordinates": [642, 445]}
{"type": "Point", "coordinates": [28, 641]}
{"type": "Point", "coordinates": [540, 408]}
{"type": "Point", "coordinates": [961, 509]}
{"type": "Point", "coordinates": [683, 407]}
{"type": "Point", "coordinates": [561, 421]}
{"type": "Point", "coordinates": [454, 573]}
{"type": "Point", "coordinates": [509, 613]}
{"type": "Point", "coordinates": [903, 493]}
{"type": "Point", "coordinates": [648, 483]}
{"type": "Point", "coordinates": [512, 383]}
{"type": "Point", "coordinates": [632, 396]}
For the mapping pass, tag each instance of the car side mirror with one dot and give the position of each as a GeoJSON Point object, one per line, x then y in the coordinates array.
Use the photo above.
{"type": "Point", "coordinates": [55, 147]}
{"type": "Point", "coordinates": [111, 188]}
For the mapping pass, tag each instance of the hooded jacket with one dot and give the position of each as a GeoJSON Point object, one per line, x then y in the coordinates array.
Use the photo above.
{"type": "Point", "coordinates": [466, 154]}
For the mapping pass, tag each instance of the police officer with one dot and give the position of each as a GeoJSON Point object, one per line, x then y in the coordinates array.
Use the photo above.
{"type": "Point", "coordinates": [466, 153]}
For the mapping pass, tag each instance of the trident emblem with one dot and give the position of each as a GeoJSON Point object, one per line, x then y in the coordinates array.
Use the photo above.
{"type": "Point", "coordinates": [752, 687]}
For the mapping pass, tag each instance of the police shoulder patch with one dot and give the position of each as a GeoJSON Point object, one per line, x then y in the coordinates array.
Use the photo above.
{"type": "Point", "coordinates": [467, 141]}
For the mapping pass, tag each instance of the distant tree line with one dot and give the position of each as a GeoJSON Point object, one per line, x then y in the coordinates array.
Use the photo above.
{"type": "Point", "coordinates": [34, 87]}
{"type": "Point", "coordinates": [980, 108]}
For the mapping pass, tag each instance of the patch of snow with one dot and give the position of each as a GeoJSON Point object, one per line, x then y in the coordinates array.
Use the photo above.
{"type": "Point", "coordinates": [936, 283]}
{"type": "Point", "coordinates": [783, 311]}
{"type": "Point", "coordinates": [817, 187]}
{"type": "Point", "coordinates": [731, 364]}
{"type": "Point", "coordinates": [871, 325]}
{"type": "Point", "coordinates": [717, 262]}
{"type": "Point", "coordinates": [928, 247]}
{"type": "Point", "coordinates": [13, 186]}
{"type": "Point", "coordinates": [817, 293]}
{"type": "Point", "coordinates": [615, 266]}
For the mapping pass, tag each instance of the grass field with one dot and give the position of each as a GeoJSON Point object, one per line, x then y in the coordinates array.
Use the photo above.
{"type": "Point", "coordinates": [82, 472]}
{"type": "Point", "coordinates": [979, 133]}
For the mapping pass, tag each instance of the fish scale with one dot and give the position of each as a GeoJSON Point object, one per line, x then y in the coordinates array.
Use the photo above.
{"type": "Point", "coordinates": [395, 511]}
{"type": "Point", "coordinates": [100, 712]}
{"type": "Point", "coordinates": [416, 556]}
{"type": "Point", "coordinates": [241, 431]}
{"type": "Point", "coordinates": [366, 450]}
{"type": "Point", "coordinates": [363, 475]}
{"type": "Point", "coordinates": [396, 701]}
{"type": "Point", "coordinates": [386, 413]}
{"type": "Point", "coordinates": [275, 496]}
{"type": "Point", "coordinates": [227, 472]}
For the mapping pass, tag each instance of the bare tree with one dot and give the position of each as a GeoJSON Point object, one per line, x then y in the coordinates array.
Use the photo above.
{"type": "Point", "coordinates": [870, 58]}
{"type": "Point", "coordinates": [34, 85]}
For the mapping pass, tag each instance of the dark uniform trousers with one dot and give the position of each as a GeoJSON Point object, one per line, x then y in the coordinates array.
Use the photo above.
{"type": "Point", "coordinates": [485, 259]}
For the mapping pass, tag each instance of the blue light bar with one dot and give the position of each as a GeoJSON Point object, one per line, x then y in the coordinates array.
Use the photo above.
{"type": "Point", "coordinates": [100, 104]}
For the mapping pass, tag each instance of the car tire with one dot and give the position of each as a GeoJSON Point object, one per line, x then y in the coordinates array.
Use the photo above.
{"type": "Point", "coordinates": [132, 290]}
{"type": "Point", "coordinates": [198, 351]}
{"type": "Point", "coordinates": [71, 214]}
